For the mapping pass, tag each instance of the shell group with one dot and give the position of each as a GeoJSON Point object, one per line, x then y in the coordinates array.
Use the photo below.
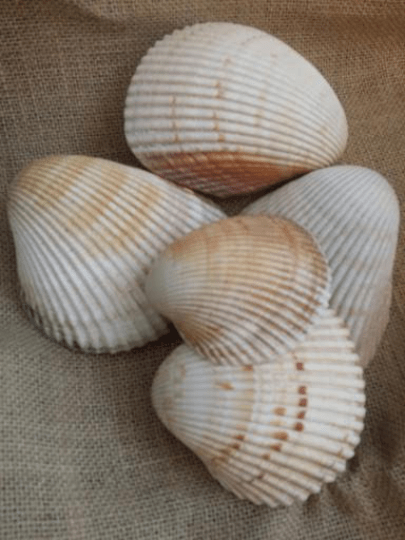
{"type": "Point", "coordinates": [226, 109]}
{"type": "Point", "coordinates": [279, 308]}
{"type": "Point", "coordinates": [268, 391]}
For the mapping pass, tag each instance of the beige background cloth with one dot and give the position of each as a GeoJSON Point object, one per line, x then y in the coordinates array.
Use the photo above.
{"type": "Point", "coordinates": [82, 454]}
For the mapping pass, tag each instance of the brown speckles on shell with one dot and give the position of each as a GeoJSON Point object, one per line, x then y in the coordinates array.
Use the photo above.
{"type": "Point", "coordinates": [225, 385]}
{"type": "Point", "coordinates": [276, 447]}
{"type": "Point", "coordinates": [280, 435]}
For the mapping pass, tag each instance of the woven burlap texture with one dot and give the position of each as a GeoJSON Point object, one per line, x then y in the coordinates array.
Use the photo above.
{"type": "Point", "coordinates": [82, 453]}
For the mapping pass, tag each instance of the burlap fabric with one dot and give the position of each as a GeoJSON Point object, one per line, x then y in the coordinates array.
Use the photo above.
{"type": "Point", "coordinates": [82, 454]}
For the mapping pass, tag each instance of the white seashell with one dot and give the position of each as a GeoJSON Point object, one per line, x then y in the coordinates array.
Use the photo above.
{"type": "Point", "coordinates": [243, 289]}
{"type": "Point", "coordinates": [86, 232]}
{"type": "Point", "coordinates": [271, 433]}
{"type": "Point", "coordinates": [353, 213]}
{"type": "Point", "coordinates": [228, 109]}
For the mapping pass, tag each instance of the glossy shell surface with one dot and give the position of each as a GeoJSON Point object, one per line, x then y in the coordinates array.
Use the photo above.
{"type": "Point", "coordinates": [353, 212]}
{"type": "Point", "coordinates": [271, 433]}
{"type": "Point", "coordinates": [227, 109]}
{"type": "Point", "coordinates": [86, 231]}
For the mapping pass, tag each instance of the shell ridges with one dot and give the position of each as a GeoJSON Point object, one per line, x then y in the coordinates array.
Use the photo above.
{"type": "Point", "coordinates": [353, 213]}
{"type": "Point", "coordinates": [271, 433]}
{"type": "Point", "coordinates": [221, 113]}
{"type": "Point", "coordinates": [242, 290]}
{"type": "Point", "coordinates": [86, 231]}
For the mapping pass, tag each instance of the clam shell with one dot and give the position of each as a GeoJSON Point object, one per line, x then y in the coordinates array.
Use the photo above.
{"type": "Point", "coordinates": [242, 289]}
{"type": "Point", "coordinates": [353, 212]}
{"type": "Point", "coordinates": [271, 433]}
{"type": "Point", "coordinates": [228, 109]}
{"type": "Point", "coordinates": [86, 232]}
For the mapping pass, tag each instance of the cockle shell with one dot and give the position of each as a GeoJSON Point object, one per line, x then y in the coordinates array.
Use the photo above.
{"type": "Point", "coordinates": [228, 109]}
{"type": "Point", "coordinates": [242, 289]}
{"type": "Point", "coordinates": [353, 212]}
{"type": "Point", "coordinates": [86, 231]}
{"type": "Point", "coordinates": [271, 433]}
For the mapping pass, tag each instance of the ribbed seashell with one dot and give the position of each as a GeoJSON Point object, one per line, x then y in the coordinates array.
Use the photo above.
{"type": "Point", "coordinates": [228, 109]}
{"type": "Point", "coordinates": [353, 212]}
{"type": "Point", "coordinates": [271, 433]}
{"type": "Point", "coordinates": [242, 289]}
{"type": "Point", "coordinates": [86, 231]}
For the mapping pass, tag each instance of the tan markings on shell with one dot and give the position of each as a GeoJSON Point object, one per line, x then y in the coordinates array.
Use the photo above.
{"type": "Point", "coordinates": [57, 179]}
{"type": "Point", "coordinates": [86, 231]}
{"type": "Point", "coordinates": [239, 172]}
{"type": "Point", "coordinates": [226, 385]}
{"type": "Point", "coordinates": [225, 454]}
{"type": "Point", "coordinates": [27, 181]}
{"type": "Point", "coordinates": [82, 190]}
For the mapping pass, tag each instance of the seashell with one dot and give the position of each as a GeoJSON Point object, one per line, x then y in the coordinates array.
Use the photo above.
{"type": "Point", "coordinates": [271, 433]}
{"type": "Point", "coordinates": [86, 232]}
{"type": "Point", "coordinates": [227, 109]}
{"type": "Point", "coordinates": [242, 289]}
{"type": "Point", "coordinates": [353, 213]}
